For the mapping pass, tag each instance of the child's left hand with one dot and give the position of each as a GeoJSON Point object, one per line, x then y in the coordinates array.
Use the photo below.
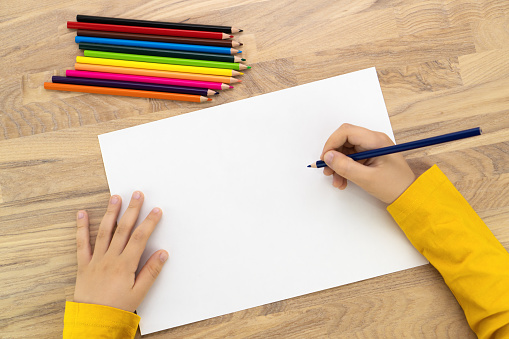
{"type": "Point", "coordinates": [108, 275]}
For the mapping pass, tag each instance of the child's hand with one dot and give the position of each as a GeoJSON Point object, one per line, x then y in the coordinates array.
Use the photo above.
{"type": "Point", "coordinates": [385, 177]}
{"type": "Point", "coordinates": [107, 277]}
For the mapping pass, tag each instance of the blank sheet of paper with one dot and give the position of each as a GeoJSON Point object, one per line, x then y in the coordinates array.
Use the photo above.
{"type": "Point", "coordinates": [245, 221]}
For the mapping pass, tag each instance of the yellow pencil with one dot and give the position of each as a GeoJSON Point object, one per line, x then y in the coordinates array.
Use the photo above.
{"type": "Point", "coordinates": [152, 65]}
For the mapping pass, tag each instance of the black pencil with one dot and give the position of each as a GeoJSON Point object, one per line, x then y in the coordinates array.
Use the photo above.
{"type": "Point", "coordinates": [408, 146]}
{"type": "Point", "coordinates": [156, 24]}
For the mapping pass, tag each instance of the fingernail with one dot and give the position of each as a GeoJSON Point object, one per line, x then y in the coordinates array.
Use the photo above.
{"type": "Point", "coordinates": [114, 200]}
{"type": "Point", "coordinates": [81, 215]}
{"type": "Point", "coordinates": [136, 195]}
{"type": "Point", "coordinates": [329, 157]}
{"type": "Point", "coordinates": [156, 210]}
{"type": "Point", "coordinates": [163, 256]}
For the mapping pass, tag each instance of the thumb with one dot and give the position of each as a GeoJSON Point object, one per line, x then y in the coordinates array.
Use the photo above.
{"type": "Point", "coordinates": [346, 167]}
{"type": "Point", "coordinates": [150, 271]}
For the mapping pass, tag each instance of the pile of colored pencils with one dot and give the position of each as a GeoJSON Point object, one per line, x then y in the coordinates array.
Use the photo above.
{"type": "Point", "coordinates": [152, 59]}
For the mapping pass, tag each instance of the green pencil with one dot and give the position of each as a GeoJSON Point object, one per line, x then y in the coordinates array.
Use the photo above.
{"type": "Point", "coordinates": [166, 60]}
{"type": "Point", "coordinates": [159, 52]}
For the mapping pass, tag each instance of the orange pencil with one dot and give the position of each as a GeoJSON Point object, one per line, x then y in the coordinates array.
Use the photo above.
{"type": "Point", "coordinates": [125, 92]}
{"type": "Point", "coordinates": [154, 73]}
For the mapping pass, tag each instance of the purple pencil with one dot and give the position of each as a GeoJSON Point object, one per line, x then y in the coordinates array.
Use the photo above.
{"type": "Point", "coordinates": [133, 85]}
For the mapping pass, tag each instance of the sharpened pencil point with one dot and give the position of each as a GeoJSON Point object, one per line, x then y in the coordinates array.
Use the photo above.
{"type": "Point", "coordinates": [248, 67]}
{"type": "Point", "coordinates": [241, 30]}
{"type": "Point", "coordinates": [209, 99]}
{"type": "Point", "coordinates": [231, 36]}
{"type": "Point", "coordinates": [216, 93]}
{"type": "Point", "coordinates": [241, 73]}
{"type": "Point", "coordinates": [243, 59]}
{"type": "Point", "coordinates": [239, 52]}
{"type": "Point", "coordinates": [309, 165]}
{"type": "Point", "coordinates": [231, 86]}
{"type": "Point", "coordinates": [241, 44]}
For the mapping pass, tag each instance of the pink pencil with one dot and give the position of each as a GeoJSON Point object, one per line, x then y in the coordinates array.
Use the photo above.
{"type": "Point", "coordinates": [147, 79]}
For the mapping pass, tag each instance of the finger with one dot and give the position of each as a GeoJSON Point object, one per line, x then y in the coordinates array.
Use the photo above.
{"type": "Point", "coordinates": [108, 223]}
{"type": "Point", "coordinates": [327, 171]}
{"type": "Point", "coordinates": [126, 223]}
{"type": "Point", "coordinates": [347, 168]}
{"type": "Point", "coordinates": [362, 139]}
{"type": "Point", "coordinates": [338, 181]}
{"type": "Point", "coordinates": [149, 272]}
{"type": "Point", "coordinates": [140, 236]}
{"type": "Point", "coordinates": [343, 182]}
{"type": "Point", "coordinates": [83, 248]}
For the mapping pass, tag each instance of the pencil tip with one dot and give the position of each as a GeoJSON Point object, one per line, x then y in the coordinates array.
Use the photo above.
{"type": "Point", "coordinates": [241, 44]}
{"type": "Point", "coordinates": [248, 67]}
{"type": "Point", "coordinates": [309, 165]}
{"type": "Point", "coordinates": [216, 93]}
{"type": "Point", "coordinates": [241, 73]}
{"type": "Point", "coordinates": [239, 52]}
{"type": "Point", "coordinates": [231, 86]}
{"type": "Point", "coordinates": [231, 36]}
{"type": "Point", "coordinates": [239, 80]}
{"type": "Point", "coordinates": [209, 99]}
{"type": "Point", "coordinates": [241, 30]}
{"type": "Point", "coordinates": [243, 59]}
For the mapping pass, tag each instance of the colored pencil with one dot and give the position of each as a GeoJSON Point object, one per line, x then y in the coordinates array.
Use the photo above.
{"type": "Point", "coordinates": [165, 60]}
{"type": "Point", "coordinates": [160, 52]}
{"type": "Point", "coordinates": [161, 67]}
{"type": "Point", "coordinates": [133, 85]}
{"type": "Point", "coordinates": [157, 24]}
{"type": "Point", "coordinates": [147, 30]}
{"type": "Point", "coordinates": [154, 44]}
{"type": "Point", "coordinates": [155, 73]}
{"type": "Point", "coordinates": [408, 145]}
{"type": "Point", "coordinates": [125, 92]}
{"type": "Point", "coordinates": [147, 79]}
{"type": "Point", "coordinates": [159, 38]}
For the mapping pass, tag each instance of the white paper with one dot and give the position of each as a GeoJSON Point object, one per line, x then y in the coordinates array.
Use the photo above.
{"type": "Point", "coordinates": [245, 221]}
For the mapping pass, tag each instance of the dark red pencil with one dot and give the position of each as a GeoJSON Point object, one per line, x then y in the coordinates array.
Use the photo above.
{"type": "Point", "coordinates": [147, 30]}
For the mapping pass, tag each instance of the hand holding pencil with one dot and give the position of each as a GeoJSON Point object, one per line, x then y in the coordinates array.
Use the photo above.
{"type": "Point", "coordinates": [381, 171]}
{"type": "Point", "coordinates": [386, 178]}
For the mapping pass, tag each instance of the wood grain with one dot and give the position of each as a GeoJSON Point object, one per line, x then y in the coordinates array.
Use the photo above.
{"type": "Point", "coordinates": [442, 64]}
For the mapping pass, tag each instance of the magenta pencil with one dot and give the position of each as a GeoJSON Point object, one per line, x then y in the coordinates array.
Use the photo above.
{"type": "Point", "coordinates": [147, 79]}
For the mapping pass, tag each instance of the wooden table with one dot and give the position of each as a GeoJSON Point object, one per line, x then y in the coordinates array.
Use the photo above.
{"type": "Point", "coordinates": [443, 66]}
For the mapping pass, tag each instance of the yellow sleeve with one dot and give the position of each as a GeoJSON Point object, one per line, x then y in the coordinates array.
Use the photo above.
{"type": "Point", "coordinates": [97, 321]}
{"type": "Point", "coordinates": [441, 225]}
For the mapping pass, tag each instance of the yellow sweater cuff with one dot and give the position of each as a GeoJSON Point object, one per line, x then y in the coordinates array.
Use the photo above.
{"type": "Point", "coordinates": [98, 321]}
{"type": "Point", "coordinates": [417, 194]}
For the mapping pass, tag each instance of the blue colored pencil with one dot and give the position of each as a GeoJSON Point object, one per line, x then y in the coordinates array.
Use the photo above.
{"type": "Point", "coordinates": [155, 44]}
{"type": "Point", "coordinates": [408, 146]}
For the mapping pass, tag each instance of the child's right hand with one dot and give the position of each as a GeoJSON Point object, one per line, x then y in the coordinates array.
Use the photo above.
{"type": "Point", "coordinates": [385, 177]}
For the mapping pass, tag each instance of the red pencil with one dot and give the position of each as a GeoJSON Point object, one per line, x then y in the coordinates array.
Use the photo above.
{"type": "Point", "coordinates": [147, 30]}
